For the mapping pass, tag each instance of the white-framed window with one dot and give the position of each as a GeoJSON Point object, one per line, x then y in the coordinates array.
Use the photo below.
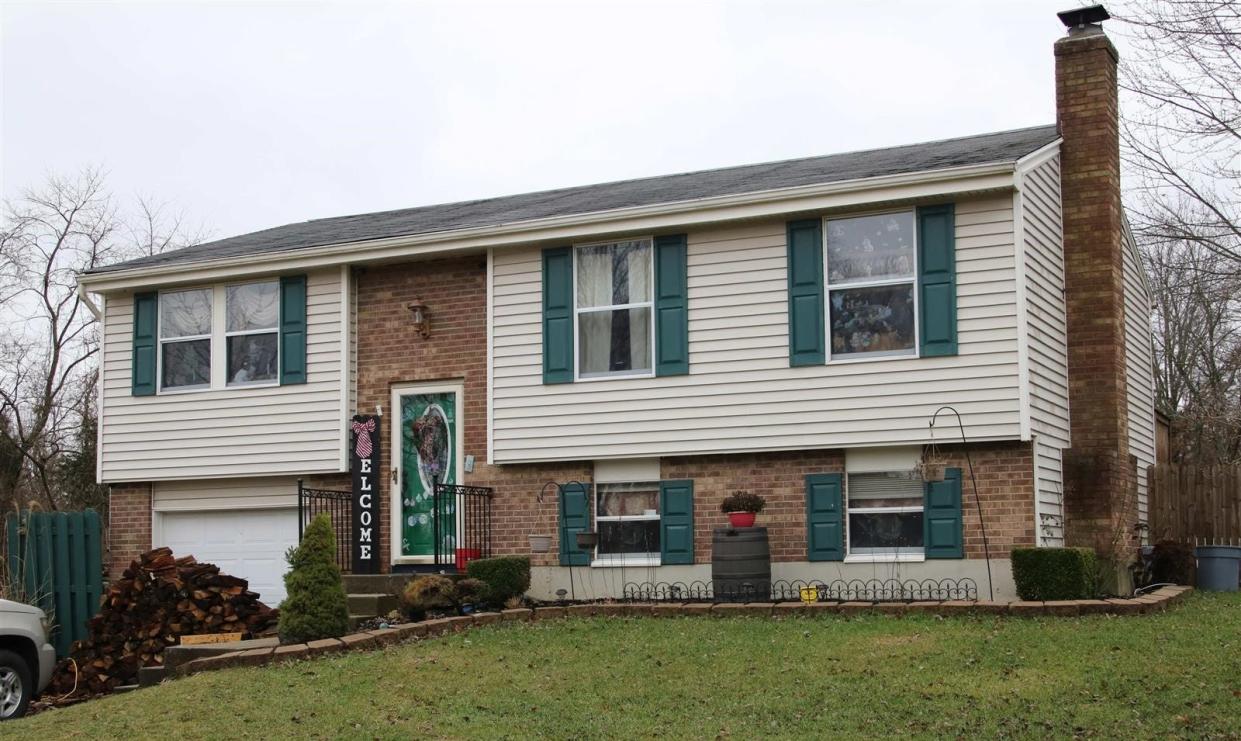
{"type": "Point", "coordinates": [251, 333]}
{"type": "Point", "coordinates": [871, 266]}
{"type": "Point", "coordinates": [185, 339]}
{"type": "Point", "coordinates": [627, 521]}
{"type": "Point", "coordinates": [884, 513]}
{"type": "Point", "coordinates": [613, 309]}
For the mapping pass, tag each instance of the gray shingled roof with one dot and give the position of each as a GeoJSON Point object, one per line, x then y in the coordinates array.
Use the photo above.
{"type": "Point", "coordinates": [1003, 146]}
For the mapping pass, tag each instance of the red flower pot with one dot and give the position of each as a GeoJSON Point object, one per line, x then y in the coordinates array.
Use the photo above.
{"type": "Point", "coordinates": [741, 519]}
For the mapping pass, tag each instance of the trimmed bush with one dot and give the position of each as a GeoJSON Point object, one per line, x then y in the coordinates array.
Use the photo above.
{"type": "Point", "coordinates": [1055, 573]}
{"type": "Point", "coordinates": [316, 606]}
{"type": "Point", "coordinates": [505, 577]}
{"type": "Point", "coordinates": [428, 592]}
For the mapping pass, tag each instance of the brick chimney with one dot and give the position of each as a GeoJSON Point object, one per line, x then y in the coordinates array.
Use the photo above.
{"type": "Point", "coordinates": [1100, 477]}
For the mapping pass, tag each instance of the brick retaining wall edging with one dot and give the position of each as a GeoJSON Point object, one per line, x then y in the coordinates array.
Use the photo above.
{"type": "Point", "coordinates": [1156, 601]}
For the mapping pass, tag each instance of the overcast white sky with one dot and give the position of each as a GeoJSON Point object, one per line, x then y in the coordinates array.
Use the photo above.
{"type": "Point", "coordinates": [249, 115]}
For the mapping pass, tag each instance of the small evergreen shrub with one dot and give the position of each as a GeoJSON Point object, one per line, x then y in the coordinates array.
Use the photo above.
{"type": "Point", "coordinates": [316, 606]}
{"type": "Point", "coordinates": [505, 577]}
{"type": "Point", "coordinates": [1055, 573]}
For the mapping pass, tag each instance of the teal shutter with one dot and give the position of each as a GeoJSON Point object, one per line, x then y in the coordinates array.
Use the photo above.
{"type": "Point", "coordinates": [805, 266]}
{"type": "Point", "coordinates": [942, 519]}
{"type": "Point", "coordinates": [937, 280]}
{"type": "Point", "coordinates": [676, 522]}
{"type": "Point", "coordinates": [142, 370]}
{"type": "Point", "coordinates": [558, 315]}
{"type": "Point", "coordinates": [292, 329]}
{"type": "Point", "coordinates": [825, 520]}
{"type": "Point", "coordinates": [574, 513]}
{"type": "Point", "coordinates": [671, 307]}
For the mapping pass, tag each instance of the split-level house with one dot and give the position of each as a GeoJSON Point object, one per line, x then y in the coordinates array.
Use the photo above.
{"type": "Point", "coordinates": [788, 329]}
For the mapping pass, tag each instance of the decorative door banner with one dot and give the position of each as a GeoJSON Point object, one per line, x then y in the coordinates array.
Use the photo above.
{"type": "Point", "coordinates": [364, 465]}
{"type": "Point", "coordinates": [428, 457]}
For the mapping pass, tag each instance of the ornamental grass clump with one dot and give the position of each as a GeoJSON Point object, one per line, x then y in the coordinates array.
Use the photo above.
{"type": "Point", "coordinates": [316, 606]}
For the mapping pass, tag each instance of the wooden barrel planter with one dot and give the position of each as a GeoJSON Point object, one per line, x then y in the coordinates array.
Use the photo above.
{"type": "Point", "coordinates": [741, 565]}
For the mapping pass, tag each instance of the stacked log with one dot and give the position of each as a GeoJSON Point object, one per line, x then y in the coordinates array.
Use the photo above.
{"type": "Point", "coordinates": [158, 599]}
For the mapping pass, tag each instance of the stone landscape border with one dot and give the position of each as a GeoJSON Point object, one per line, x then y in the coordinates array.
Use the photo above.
{"type": "Point", "coordinates": [1156, 601]}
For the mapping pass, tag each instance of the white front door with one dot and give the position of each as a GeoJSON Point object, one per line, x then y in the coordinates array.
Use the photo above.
{"type": "Point", "coordinates": [427, 448]}
{"type": "Point", "coordinates": [247, 543]}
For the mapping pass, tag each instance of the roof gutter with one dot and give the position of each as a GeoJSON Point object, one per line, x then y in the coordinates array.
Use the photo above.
{"type": "Point", "coordinates": [848, 193]}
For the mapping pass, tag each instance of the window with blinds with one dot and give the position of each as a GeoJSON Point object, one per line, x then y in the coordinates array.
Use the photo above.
{"type": "Point", "coordinates": [885, 511]}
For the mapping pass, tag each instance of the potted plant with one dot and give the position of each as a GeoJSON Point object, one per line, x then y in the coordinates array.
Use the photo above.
{"type": "Point", "coordinates": [741, 507]}
{"type": "Point", "coordinates": [931, 467]}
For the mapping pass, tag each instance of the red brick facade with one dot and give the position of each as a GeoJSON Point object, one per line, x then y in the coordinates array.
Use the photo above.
{"type": "Point", "coordinates": [1100, 477]}
{"type": "Point", "coordinates": [129, 525]}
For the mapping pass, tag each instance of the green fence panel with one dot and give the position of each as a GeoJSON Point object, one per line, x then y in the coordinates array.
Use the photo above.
{"type": "Point", "coordinates": [60, 579]}
{"type": "Point", "coordinates": [57, 557]}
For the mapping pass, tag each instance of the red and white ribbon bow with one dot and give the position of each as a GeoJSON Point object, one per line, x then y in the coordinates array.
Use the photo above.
{"type": "Point", "coordinates": [362, 432]}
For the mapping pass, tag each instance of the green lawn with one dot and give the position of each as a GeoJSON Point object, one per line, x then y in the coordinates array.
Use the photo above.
{"type": "Point", "coordinates": [1173, 674]}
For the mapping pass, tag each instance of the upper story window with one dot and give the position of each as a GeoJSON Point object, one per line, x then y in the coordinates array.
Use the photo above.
{"type": "Point", "coordinates": [185, 338]}
{"type": "Point", "coordinates": [239, 322]}
{"type": "Point", "coordinates": [613, 309]}
{"type": "Point", "coordinates": [252, 317]}
{"type": "Point", "coordinates": [871, 266]}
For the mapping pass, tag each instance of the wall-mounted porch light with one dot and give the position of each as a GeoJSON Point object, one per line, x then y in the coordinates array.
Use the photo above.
{"type": "Point", "coordinates": [422, 317]}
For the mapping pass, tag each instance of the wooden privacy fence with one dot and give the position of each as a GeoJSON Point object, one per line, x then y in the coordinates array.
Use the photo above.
{"type": "Point", "coordinates": [54, 560]}
{"type": "Point", "coordinates": [1195, 504]}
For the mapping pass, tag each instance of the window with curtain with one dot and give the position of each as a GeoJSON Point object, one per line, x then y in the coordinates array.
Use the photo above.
{"type": "Point", "coordinates": [627, 519]}
{"type": "Point", "coordinates": [185, 339]}
{"type": "Point", "coordinates": [613, 304]}
{"type": "Point", "coordinates": [871, 266]}
{"type": "Point", "coordinates": [251, 332]}
{"type": "Point", "coordinates": [885, 513]}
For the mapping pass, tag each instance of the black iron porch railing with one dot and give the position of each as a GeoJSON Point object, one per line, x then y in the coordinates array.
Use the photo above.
{"type": "Point", "coordinates": [337, 505]}
{"type": "Point", "coordinates": [462, 519]}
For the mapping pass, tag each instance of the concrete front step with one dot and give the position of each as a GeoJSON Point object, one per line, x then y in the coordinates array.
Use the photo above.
{"type": "Point", "coordinates": [378, 603]}
{"type": "Point", "coordinates": [375, 583]}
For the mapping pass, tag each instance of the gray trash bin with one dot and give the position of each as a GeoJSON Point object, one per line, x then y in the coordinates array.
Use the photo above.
{"type": "Point", "coordinates": [1219, 567]}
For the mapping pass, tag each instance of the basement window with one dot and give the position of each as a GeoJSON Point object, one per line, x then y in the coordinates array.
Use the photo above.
{"type": "Point", "coordinates": [885, 513]}
{"type": "Point", "coordinates": [627, 520]}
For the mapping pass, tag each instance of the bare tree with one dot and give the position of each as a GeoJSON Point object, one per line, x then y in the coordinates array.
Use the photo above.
{"type": "Point", "coordinates": [1182, 123]}
{"type": "Point", "coordinates": [1197, 322]}
{"type": "Point", "coordinates": [49, 335]}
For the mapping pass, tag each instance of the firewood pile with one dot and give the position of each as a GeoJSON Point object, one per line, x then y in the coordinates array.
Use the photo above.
{"type": "Point", "coordinates": [158, 599]}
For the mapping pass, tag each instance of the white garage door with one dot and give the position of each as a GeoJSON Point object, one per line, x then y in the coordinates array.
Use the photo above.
{"type": "Point", "coordinates": [245, 543]}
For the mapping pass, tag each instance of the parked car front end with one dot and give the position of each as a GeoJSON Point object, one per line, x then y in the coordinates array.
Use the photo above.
{"type": "Point", "coordinates": [26, 657]}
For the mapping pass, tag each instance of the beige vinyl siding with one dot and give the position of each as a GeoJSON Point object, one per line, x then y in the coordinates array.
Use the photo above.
{"type": "Point", "coordinates": [224, 494]}
{"type": "Point", "coordinates": [225, 432]}
{"type": "Point", "coordinates": [1043, 239]}
{"type": "Point", "coordinates": [1139, 368]}
{"type": "Point", "coordinates": [740, 393]}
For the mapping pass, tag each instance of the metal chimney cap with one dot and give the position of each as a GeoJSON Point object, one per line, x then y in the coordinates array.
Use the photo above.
{"type": "Point", "coordinates": [1079, 17]}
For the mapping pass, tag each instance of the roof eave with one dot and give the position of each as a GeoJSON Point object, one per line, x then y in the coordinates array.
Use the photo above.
{"type": "Point", "coordinates": [992, 176]}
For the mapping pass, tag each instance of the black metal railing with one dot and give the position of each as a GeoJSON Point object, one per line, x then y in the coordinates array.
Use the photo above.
{"type": "Point", "coordinates": [462, 516]}
{"type": "Point", "coordinates": [841, 590]}
{"type": "Point", "coordinates": [337, 505]}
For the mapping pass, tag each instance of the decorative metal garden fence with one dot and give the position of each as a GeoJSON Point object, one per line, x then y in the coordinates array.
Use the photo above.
{"type": "Point", "coordinates": [842, 590]}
